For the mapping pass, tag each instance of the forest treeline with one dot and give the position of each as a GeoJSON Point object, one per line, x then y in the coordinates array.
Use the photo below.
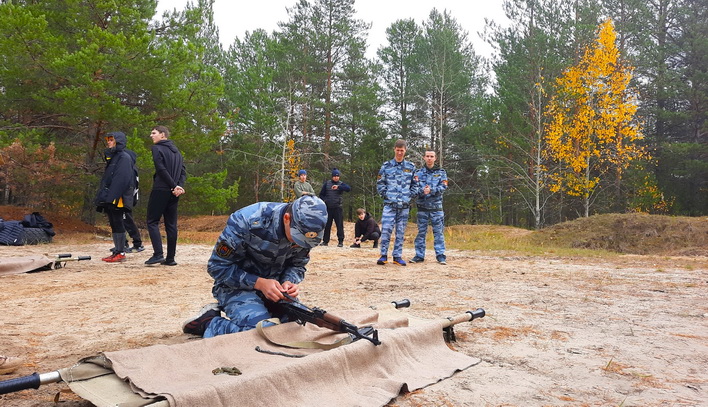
{"type": "Point", "coordinates": [585, 107]}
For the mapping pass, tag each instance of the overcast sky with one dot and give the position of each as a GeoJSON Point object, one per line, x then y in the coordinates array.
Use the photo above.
{"type": "Point", "coordinates": [235, 17]}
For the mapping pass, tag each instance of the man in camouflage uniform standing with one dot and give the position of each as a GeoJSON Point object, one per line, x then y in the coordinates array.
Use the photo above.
{"type": "Point", "coordinates": [261, 253]}
{"type": "Point", "coordinates": [396, 186]}
{"type": "Point", "coordinates": [432, 182]}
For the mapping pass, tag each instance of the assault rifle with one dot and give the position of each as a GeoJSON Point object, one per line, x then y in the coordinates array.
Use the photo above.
{"type": "Point", "coordinates": [300, 313]}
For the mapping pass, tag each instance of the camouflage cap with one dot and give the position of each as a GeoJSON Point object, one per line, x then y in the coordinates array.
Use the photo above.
{"type": "Point", "coordinates": [308, 221]}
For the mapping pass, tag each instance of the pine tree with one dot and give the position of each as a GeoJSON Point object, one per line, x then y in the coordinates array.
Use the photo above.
{"type": "Point", "coordinates": [399, 62]}
{"type": "Point", "coordinates": [74, 73]}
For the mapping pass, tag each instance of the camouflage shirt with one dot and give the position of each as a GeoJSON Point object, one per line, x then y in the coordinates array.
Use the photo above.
{"type": "Point", "coordinates": [395, 183]}
{"type": "Point", "coordinates": [253, 245]}
{"type": "Point", "coordinates": [436, 179]}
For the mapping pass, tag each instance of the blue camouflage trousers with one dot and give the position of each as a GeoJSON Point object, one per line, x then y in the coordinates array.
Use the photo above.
{"type": "Point", "coordinates": [391, 217]}
{"type": "Point", "coordinates": [437, 220]}
{"type": "Point", "coordinates": [243, 308]}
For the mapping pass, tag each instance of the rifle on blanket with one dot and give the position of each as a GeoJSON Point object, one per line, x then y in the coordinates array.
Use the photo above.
{"type": "Point", "coordinates": [302, 314]}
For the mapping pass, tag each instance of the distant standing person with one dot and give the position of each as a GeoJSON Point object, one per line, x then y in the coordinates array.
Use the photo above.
{"type": "Point", "coordinates": [432, 182]}
{"type": "Point", "coordinates": [128, 221]}
{"type": "Point", "coordinates": [167, 187]}
{"type": "Point", "coordinates": [115, 194]}
{"type": "Point", "coordinates": [365, 229]}
{"type": "Point", "coordinates": [396, 186]}
{"type": "Point", "coordinates": [302, 187]}
{"type": "Point", "coordinates": [331, 194]}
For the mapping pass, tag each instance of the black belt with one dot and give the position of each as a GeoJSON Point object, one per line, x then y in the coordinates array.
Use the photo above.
{"type": "Point", "coordinates": [429, 209]}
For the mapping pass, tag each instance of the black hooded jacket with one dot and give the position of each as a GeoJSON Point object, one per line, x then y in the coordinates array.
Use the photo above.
{"type": "Point", "coordinates": [169, 166]}
{"type": "Point", "coordinates": [118, 179]}
{"type": "Point", "coordinates": [366, 227]}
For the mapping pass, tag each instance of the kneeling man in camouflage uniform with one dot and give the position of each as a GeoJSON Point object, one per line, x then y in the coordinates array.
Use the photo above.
{"type": "Point", "coordinates": [261, 253]}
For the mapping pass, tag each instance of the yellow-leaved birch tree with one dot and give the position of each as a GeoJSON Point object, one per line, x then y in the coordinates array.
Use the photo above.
{"type": "Point", "coordinates": [592, 132]}
{"type": "Point", "coordinates": [290, 165]}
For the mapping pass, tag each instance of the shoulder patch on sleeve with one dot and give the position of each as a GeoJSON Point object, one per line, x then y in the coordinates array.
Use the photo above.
{"type": "Point", "coordinates": [222, 250]}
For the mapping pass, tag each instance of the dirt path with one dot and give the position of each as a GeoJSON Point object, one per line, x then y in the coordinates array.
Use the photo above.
{"type": "Point", "coordinates": [630, 330]}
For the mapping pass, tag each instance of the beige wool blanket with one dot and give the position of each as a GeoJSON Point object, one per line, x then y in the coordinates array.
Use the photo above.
{"type": "Point", "coordinates": [410, 357]}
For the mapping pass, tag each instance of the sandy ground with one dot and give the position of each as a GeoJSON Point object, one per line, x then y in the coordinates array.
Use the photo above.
{"type": "Point", "coordinates": [620, 331]}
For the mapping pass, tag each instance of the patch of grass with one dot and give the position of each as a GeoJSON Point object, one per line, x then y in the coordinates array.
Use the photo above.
{"type": "Point", "coordinates": [198, 237]}
{"type": "Point", "coordinates": [510, 239]}
{"type": "Point", "coordinates": [595, 236]}
{"type": "Point", "coordinates": [630, 233]}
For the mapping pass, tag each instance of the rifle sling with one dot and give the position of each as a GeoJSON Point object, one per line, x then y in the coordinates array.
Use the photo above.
{"type": "Point", "coordinates": [301, 344]}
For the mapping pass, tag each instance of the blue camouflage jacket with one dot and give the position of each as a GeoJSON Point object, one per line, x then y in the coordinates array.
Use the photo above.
{"type": "Point", "coordinates": [253, 245]}
{"type": "Point", "coordinates": [436, 178]}
{"type": "Point", "coordinates": [395, 183]}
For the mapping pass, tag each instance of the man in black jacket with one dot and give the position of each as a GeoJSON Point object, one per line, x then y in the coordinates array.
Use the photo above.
{"type": "Point", "coordinates": [365, 229]}
{"type": "Point", "coordinates": [169, 179]}
{"type": "Point", "coordinates": [331, 194]}
{"type": "Point", "coordinates": [128, 220]}
{"type": "Point", "coordinates": [115, 194]}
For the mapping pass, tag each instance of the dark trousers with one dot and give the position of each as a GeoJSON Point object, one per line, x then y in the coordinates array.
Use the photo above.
{"type": "Point", "coordinates": [132, 229]}
{"type": "Point", "coordinates": [335, 214]}
{"type": "Point", "coordinates": [373, 236]}
{"type": "Point", "coordinates": [115, 219]}
{"type": "Point", "coordinates": [162, 204]}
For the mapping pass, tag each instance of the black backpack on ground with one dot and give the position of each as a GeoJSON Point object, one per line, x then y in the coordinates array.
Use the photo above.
{"type": "Point", "coordinates": [11, 233]}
